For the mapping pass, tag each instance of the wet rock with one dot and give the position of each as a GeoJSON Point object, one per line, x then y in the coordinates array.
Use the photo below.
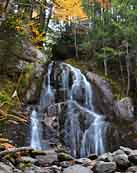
{"type": "Point", "coordinates": [107, 157]}
{"type": "Point", "coordinates": [5, 168]}
{"type": "Point", "coordinates": [105, 167]}
{"type": "Point", "coordinates": [132, 169]}
{"type": "Point", "coordinates": [48, 159]}
{"type": "Point", "coordinates": [56, 169]}
{"type": "Point", "coordinates": [26, 159]}
{"type": "Point", "coordinates": [133, 157]}
{"type": "Point", "coordinates": [117, 152]}
{"type": "Point", "coordinates": [122, 161]}
{"type": "Point", "coordinates": [38, 152]}
{"type": "Point", "coordinates": [125, 108]}
{"type": "Point", "coordinates": [64, 157]}
{"type": "Point", "coordinates": [102, 90]}
{"type": "Point", "coordinates": [126, 150]}
{"type": "Point", "coordinates": [17, 171]}
{"type": "Point", "coordinates": [92, 156]}
{"type": "Point", "coordinates": [36, 169]}
{"type": "Point", "coordinates": [66, 164]}
{"type": "Point", "coordinates": [122, 109]}
{"type": "Point", "coordinates": [84, 162]}
{"type": "Point", "coordinates": [77, 169]}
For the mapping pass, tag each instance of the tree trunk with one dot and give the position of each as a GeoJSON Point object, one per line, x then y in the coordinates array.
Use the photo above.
{"type": "Point", "coordinates": [50, 7]}
{"type": "Point", "coordinates": [75, 41]}
{"type": "Point", "coordinates": [42, 17]}
{"type": "Point", "coordinates": [122, 74]}
{"type": "Point", "coordinates": [31, 9]}
{"type": "Point", "coordinates": [105, 67]}
{"type": "Point", "coordinates": [128, 70]}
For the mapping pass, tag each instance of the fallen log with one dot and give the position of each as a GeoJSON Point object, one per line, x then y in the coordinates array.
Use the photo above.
{"type": "Point", "coordinates": [16, 150]}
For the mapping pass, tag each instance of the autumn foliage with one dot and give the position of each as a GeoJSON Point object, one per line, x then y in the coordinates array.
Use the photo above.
{"type": "Point", "coordinates": [103, 3]}
{"type": "Point", "coordinates": [66, 9]}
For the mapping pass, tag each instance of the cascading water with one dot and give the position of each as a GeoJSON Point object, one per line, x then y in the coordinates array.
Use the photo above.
{"type": "Point", "coordinates": [92, 139]}
{"type": "Point", "coordinates": [46, 98]}
{"type": "Point", "coordinates": [35, 131]}
{"type": "Point", "coordinates": [84, 129]}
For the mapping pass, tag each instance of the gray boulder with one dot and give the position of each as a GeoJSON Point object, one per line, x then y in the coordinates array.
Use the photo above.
{"type": "Point", "coordinates": [132, 169]}
{"type": "Point", "coordinates": [117, 152]}
{"type": "Point", "coordinates": [5, 168]}
{"type": "Point", "coordinates": [125, 108]}
{"type": "Point", "coordinates": [48, 159]}
{"type": "Point", "coordinates": [77, 169]}
{"type": "Point", "coordinates": [107, 157]}
{"type": "Point", "coordinates": [64, 157]}
{"type": "Point", "coordinates": [121, 160]}
{"type": "Point", "coordinates": [126, 150]}
{"type": "Point", "coordinates": [35, 169]}
{"type": "Point", "coordinates": [105, 167]}
{"type": "Point", "coordinates": [85, 161]}
{"type": "Point", "coordinates": [133, 156]}
{"type": "Point", "coordinates": [27, 159]}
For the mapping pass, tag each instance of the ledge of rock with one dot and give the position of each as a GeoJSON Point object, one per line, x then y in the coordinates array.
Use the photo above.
{"type": "Point", "coordinates": [107, 105]}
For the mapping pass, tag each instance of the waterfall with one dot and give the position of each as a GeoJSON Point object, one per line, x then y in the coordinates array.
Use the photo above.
{"type": "Point", "coordinates": [46, 98]}
{"type": "Point", "coordinates": [84, 129]}
{"type": "Point", "coordinates": [92, 139]}
{"type": "Point", "coordinates": [35, 131]}
{"type": "Point", "coordinates": [47, 93]}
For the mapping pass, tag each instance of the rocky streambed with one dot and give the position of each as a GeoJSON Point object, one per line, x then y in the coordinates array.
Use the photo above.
{"type": "Point", "coordinates": [27, 160]}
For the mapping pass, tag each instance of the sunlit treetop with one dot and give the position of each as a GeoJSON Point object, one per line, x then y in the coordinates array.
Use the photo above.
{"type": "Point", "coordinates": [103, 3]}
{"type": "Point", "coordinates": [66, 9]}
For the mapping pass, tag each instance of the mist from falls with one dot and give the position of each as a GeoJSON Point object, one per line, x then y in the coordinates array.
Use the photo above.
{"type": "Point", "coordinates": [82, 136]}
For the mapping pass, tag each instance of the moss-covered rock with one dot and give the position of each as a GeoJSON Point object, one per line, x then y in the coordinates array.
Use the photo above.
{"type": "Point", "coordinates": [64, 157]}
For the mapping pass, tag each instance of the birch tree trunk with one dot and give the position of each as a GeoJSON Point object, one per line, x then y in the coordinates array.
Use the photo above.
{"type": "Point", "coordinates": [75, 41]}
{"type": "Point", "coordinates": [128, 69]}
{"type": "Point", "coordinates": [122, 74]}
{"type": "Point", "coordinates": [50, 8]}
{"type": "Point", "coordinates": [105, 67]}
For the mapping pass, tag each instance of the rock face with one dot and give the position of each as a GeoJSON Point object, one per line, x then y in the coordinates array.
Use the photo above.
{"type": "Point", "coordinates": [56, 121]}
{"type": "Point", "coordinates": [125, 108]}
{"type": "Point", "coordinates": [107, 105]}
{"type": "Point", "coordinates": [122, 129]}
{"type": "Point", "coordinates": [103, 91]}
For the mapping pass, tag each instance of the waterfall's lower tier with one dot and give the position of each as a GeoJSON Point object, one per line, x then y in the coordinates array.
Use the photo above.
{"type": "Point", "coordinates": [67, 98]}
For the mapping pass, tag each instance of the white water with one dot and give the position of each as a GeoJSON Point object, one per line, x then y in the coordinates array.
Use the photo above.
{"type": "Point", "coordinates": [35, 131]}
{"type": "Point", "coordinates": [77, 90]}
{"type": "Point", "coordinates": [92, 140]}
{"type": "Point", "coordinates": [46, 98]}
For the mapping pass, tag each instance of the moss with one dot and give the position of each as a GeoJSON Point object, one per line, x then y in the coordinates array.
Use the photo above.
{"type": "Point", "coordinates": [116, 88]}
{"type": "Point", "coordinates": [83, 66]}
{"type": "Point", "coordinates": [23, 165]}
{"type": "Point", "coordinates": [24, 79]}
{"type": "Point", "coordinates": [64, 157]}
